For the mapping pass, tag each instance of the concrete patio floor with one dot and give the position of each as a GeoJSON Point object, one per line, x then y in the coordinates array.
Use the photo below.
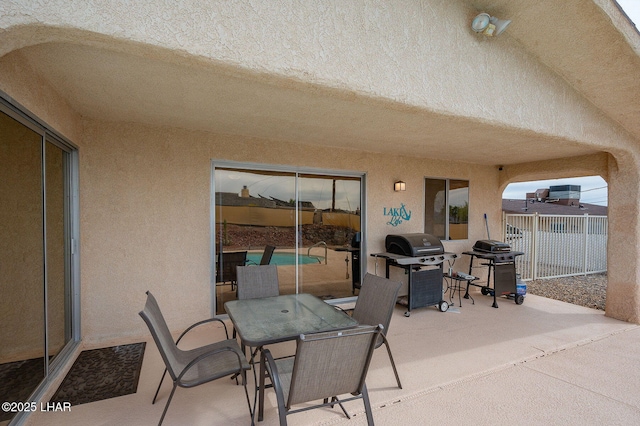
{"type": "Point", "coordinates": [542, 362]}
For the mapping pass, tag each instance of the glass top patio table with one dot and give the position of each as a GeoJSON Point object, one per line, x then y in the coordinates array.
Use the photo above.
{"type": "Point", "coordinates": [276, 319]}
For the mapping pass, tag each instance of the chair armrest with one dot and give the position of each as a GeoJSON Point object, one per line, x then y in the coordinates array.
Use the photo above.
{"type": "Point", "coordinates": [198, 359]}
{"type": "Point", "coordinates": [268, 363]}
{"type": "Point", "coordinates": [200, 323]}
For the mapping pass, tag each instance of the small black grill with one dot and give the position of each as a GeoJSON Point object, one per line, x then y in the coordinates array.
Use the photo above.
{"type": "Point", "coordinates": [491, 246]}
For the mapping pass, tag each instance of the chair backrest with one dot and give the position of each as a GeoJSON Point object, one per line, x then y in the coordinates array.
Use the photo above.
{"type": "Point", "coordinates": [266, 255]}
{"type": "Point", "coordinates": [256, 282]}
{"type": "Point", "coordinates": [376, 300]}
{"type": "Point", "coordinates": [170, 353]}
{"type": "Point", "coordinates": [227, 264]}
{"type": "Point", "coordinates": [331, 363]}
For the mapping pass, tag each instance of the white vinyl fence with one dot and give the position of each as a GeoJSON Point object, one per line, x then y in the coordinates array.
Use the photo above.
{"type": "Point", "coordinates": [557, 246]}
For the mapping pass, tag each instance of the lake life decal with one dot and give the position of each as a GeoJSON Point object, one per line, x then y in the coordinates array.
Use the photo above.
{"type": "Point", "coordinates": [397, 215]}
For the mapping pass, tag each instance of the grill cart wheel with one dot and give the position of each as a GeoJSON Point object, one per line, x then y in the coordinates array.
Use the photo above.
{"type": "Point", "coordinates": [519, 299]}
{"type": "Point", "coordinates": [443, 306]}
{"type": "Point", "coordinates": [484, 291]}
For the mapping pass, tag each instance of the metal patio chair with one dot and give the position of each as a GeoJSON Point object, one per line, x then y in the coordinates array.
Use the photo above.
{"type": "Point", "coordinates": [227, 264]}
{"type": "Point", "coordinates": [256, 282]}
{"type": "Point", "coordinates": [197, 366]}
{"type": "Point", "coordinates": [375, 303]}
{"type": "Point", "coordinates": [267, 254]}
{"type": "Point", "coordinates": [325, 366]}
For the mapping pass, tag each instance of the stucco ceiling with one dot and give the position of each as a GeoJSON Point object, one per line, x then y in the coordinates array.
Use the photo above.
{"type": "Point", "coordinates": [117, 86]}
{"type": "Point", "coordinates": [592, 45]}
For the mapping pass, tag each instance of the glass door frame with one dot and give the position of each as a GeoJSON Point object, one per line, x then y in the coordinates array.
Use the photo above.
{"type": "Point", "coordinates": [71, 235]}
{"type": "Point", "coordinates": [297, 171]}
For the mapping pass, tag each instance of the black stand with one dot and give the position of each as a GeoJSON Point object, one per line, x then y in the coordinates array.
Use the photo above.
{"type": "Point", "coordinates": [455, 284]}
{"type": "Point", "coordinates": [504, 274]}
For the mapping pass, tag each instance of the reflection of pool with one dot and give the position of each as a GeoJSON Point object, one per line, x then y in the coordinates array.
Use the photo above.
{"type": "Point", "coordinates": [283, 259]}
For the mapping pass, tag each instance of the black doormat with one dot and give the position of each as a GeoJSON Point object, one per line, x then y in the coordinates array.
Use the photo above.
{"type": "Point", "coordinates": [100, 374]}
{"type": "Point", "coordinates": [18, 380]}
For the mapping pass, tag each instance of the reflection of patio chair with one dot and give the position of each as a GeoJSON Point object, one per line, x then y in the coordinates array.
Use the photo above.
{"type": "Point", "coordinates": [376, 300]}
{"type": "Point", "coordinates": [266, 256]}
{"type": "Point", "coordinates": [227, 264]}
{"type": "Point", "coordinates": [190, 368]}
{"type": "Point", "coordinates": [325, 365]}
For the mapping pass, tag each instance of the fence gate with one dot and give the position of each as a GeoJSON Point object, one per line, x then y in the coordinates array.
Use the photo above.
{"type": "Point", "coordinates": [557, 246]}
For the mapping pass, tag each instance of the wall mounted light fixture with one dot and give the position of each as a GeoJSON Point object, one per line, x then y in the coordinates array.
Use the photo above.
{"type": "Point", "coordinates": [399, 186]}
{"type": "Point", "coordinates": [489, 25]}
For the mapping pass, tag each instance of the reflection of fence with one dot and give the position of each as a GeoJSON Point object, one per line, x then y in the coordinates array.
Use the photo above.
{"type": "Point", "coordinates": [557, 246]}
{"type": "Point", "coordinates": [283, 217]}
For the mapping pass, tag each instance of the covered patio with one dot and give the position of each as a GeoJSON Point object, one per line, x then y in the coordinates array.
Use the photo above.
{"type": "Point", "coordinates": [542, 362]}
{"type": "Point", "coordinates": [115, 121]}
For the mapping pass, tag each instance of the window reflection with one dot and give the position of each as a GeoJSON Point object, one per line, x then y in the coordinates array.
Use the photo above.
{"type": "Point", "coordinates": [447, 208]}
{"type": "Point", "coordinates": [35, 283]}
{"type": "Point", "coordinates": [21, 251]}
{"type": "Point", "coordinates": [307, 217]}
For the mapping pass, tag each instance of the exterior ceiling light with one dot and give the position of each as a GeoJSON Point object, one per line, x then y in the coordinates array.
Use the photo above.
{"type": "Point", "coordinates": [488, 25]}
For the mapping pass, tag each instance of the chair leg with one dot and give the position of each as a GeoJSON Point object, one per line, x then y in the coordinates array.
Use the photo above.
{"type": "Point", "coordinates": [367, 405]}
{"type": "Point", "coordinates": [344, 410]}
{"type": "Point", "coordinates": [246, 392]}
{"type": "Point", "coordinates": [159, 385]}
{"type": "Point", "coordinates": [175, 385]}
{"type": "Point", "coordinates": [393, 364]}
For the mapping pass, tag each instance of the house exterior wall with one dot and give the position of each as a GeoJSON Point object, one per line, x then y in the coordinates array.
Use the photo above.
{"type": "Point", "coordinates": [145, 188]}
{"type": "Point", "coordinates": [398, 51]}
{"type": "Point", "coordinates": [145, 212]}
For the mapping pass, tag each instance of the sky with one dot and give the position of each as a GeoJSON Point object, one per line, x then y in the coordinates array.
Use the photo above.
{"type": "Point", "coordinates": [281, 185]}
{"type": "Point", "coordinates": [593, 188]}
{"type": "Point", "coordinates": [632, 9]}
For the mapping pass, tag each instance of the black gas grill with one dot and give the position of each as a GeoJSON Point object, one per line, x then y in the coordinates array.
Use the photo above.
{"type": "Point", "coordinates": [491, 246]}
{"type": "Point", "coordinates": [422, 256]}
{"type": "Point", "coordinates": [497, 256]}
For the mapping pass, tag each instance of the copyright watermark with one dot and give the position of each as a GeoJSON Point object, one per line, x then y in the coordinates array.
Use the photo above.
{"type": "Point", "coordinates": [28, 407]}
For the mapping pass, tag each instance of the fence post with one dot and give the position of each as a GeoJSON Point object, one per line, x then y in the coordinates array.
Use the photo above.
{"type": "Point", "coordinates": [586, 244]}
{"type": "Point", "coordinates": [534, 246]}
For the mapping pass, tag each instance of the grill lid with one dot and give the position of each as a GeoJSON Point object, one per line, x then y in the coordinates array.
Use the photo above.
{"type": "Point", "coordinates": [491, 246]}
{"type": "Point", "coordinates": [414, 245]}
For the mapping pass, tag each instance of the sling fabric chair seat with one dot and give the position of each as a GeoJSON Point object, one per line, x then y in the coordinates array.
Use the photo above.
{"type": "Point", "coordinates": [193, 367]}
{"type": "Point", "coordinates": [325, 366]}
{"type": "Point", "coordinates": [257, 282]}
{"type": "Point", "coordinates": [375, 304]}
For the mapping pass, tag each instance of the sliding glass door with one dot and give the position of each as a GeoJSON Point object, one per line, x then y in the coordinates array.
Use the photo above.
{"type": "Point", "coordinates": [310, 219]}
{"type": "Point", "coordinates": [22, 332]}
{"type": "Point", "coordinates": [253, 209]}
{"type": "Point", "coordinates": [329, 218]}
{"type": "Point", "coordinates": [35, 256]}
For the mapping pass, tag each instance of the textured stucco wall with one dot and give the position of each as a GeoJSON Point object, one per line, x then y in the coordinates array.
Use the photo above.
{"type": "Point", "coordinates": [400, 51]}
{"type": "Point", "coordinates": [145, 195]}
{"type": "Point", "coordinates": [24, 84]}
{"type": "Point", "coordinates": [136, 180]}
